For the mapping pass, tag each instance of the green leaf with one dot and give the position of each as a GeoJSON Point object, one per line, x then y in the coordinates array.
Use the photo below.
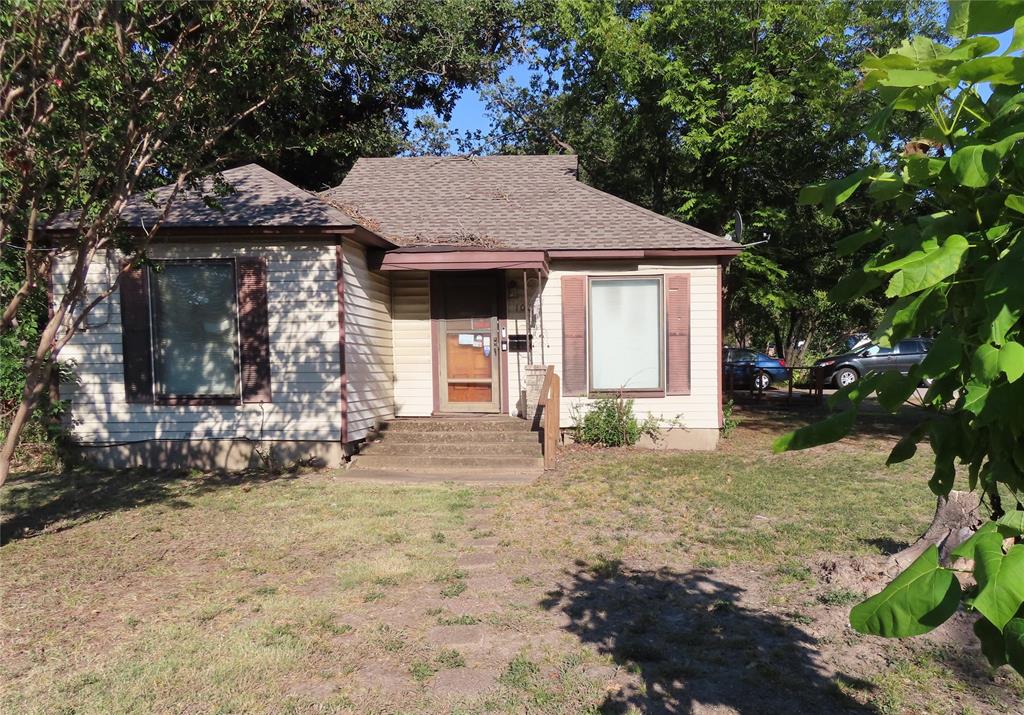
{"type": "Point", "coordinates": [982, 17]}
{"type": "Point", "coordinates": [1015, 202]}
{"type": "Point", "coordinates": [894, 389]}
{"type": "Point", "coordinates": [833, 193]}
{"type": "Point", "coordinates": [829, 430]}
{"type": "Point", "coordinates": [927, 267]}
{"type": "Point", "coordinates": [985, 363]}
{"type": "Point", "coordinates": [856, 392]}
{"type": "Point", "coordinates": [1000, 579]}
{"type": "Point", "coordinates": [1017, 43]}
{"type": "Point", "coordinates": [1013, 636]}
{"type": "Point", "coordinates": [918, 600]}
{"type": "Point", "coordinates": [885, 186]}
{"type": "Point", "coordinates": [944, 355]}
{"type": "Point", "coordinates": [977, 393]}
{"type": "Point", "coordinates": [855, 241]}
{"type": "Point", "coordinates": [906, 448]}
{"type": "Point", "coordinates": [902, 78]}
{"type": "Point", "coordinates": [993, 647]}
{"type": "Point", "coordinates": [854, 285]}
{"type": "Point", "coordinates": [993, 70]}
{"type": "Point", "coordinates": [1011, 360]}
{"type": "Point", "coordinates": [974, 166]}
{"type": "Point", "coordinates": [1012, 521]}
{"type": "Point", "coordinates": [967, 550]}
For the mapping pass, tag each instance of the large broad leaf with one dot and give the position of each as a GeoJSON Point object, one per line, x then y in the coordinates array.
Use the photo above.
{"type": "Point", "coordinates": [927, 267]}
{"type": "Point", "coordinates": [855, 241]}
{"type": "Point", "coordinates": [894, 389]}
{"type": "Point", "coordinates": [1011, 523]}
{"type": "Point", "coordinates": [994, 70]}
{"type": "Point", "coordinates": [977, 165]}
{"type": "Point", "coordinates": [975, 397]}
{"type": "Point", "coordinates": [944, 355]}
{"type": "Point", "coordinates": [903, 317]}
{"type": "Point", "coordinates": [833, 193]}
{"type": "Point", "coordinates": [919, 599]}
{"type": "Point", "coordinates": [1011, 360]}
{"type": "Point", "coordinates": [1000, 578]}
{"type": "Point", "coordinates": [855, 392]}
{"type": "Point", "coordinates": [907, 446]}
{"type": "Point", "coordinates": [1013, 636]}
{"type": "Point", "coordinates": [1004, 294]}
{"type": "Point", "coordinates": [992, 644]}
{"type": "Point", "coordinates": [1017, 43]}
{"type": "Point", "coordinates": [902, 78]}
{"type": "Point", "coordinates": [968, 549]}
{"type": "Point", "coordinates": [982, 17]}
{"type": "Point", "coordinates": [985, 363]}
{"type": "Point", "coordinates": [854, 285]}
{"type": "Point", "coordinates": [827, 431]}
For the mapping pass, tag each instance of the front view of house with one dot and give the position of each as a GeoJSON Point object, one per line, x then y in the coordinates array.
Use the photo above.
{"type": "Point", "coordinates": [299, 324]}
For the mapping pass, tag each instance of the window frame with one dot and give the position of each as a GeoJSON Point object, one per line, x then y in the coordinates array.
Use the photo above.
{"type": "Point", "coordinates": [161, 398]}
{"type": "Point", "coordinates": [641, 392]}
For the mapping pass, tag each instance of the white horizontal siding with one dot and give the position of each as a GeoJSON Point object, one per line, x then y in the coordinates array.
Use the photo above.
{"type": "Point", "coordinates": [699, 409]}
{"type": "Point", "coordinates": [368, 344]}
{"type": "Point", "coordinates": [304, 357]}
{"type": "Point", "coordinates": [414, 381]}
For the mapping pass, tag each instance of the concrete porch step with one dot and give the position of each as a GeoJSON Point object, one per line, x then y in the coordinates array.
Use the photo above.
{"type": "Point", "coordinates": [490, 439]}
{"type": "Point", "coordinates": [467, 446]}
{"type": "Point", "coordinates": [457, 424]}
{"type": "Point", "coordinates": [460, 463]}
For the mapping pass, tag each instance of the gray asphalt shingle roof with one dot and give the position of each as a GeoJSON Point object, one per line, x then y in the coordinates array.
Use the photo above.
{"type": "Point", "coordinates": [260, 198]}
{"type": "Point", "coordinates": [514, 202]}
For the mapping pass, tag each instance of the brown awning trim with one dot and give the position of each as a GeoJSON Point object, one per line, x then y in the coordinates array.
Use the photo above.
{"type": "Point", "coordinates": [618, 254]}
{"type": "Point", "coordinates": [447, 259]}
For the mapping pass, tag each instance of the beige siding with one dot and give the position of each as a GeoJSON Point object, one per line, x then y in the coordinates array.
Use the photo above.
{"type": "Point", "coordinates": [304, 359]}
{"type": "Point", "coordinates": [699, 409]}
{"type": "Point", "coordinates": [368, 344]}
{"type": "Point", "coordinates": [410, 309]}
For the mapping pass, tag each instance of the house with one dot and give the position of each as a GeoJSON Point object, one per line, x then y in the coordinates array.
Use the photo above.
{"type": "Point", "coordinates": [298, 323]}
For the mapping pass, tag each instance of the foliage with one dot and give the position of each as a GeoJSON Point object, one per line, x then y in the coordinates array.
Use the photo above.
{"type": "Point", "coordinates": [729, 419]}
{"type": "Point", "coordinates": [610, 422]}
{"type": "Point", "coordinates": [699, 109]}
{"type": "Point", "coordinates": [952, 266]}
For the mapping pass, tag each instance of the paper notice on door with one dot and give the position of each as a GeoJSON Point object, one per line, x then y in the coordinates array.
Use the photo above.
{"type": "Point", "coordinates": [478, 341]}
{"type": "Point", "coordinates": [466, 338]}
{"type": "Point", "coordinates": [487, 341]}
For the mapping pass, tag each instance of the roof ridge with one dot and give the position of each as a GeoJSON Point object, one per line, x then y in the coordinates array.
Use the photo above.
{"type": "Point", "coordinates": [292, 188]}
{"type": "Point", "coordinates": [648, 212]}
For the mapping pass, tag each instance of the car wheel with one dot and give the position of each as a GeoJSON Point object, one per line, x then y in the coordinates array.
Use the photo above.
{"type": "Point", "coordinates": [846, 377]}
{"type": "Point", "coordinates": [762, 381]}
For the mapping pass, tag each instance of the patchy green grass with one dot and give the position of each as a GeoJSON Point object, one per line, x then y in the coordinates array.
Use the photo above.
{"type": "Point", "coordinates": [678, 578]}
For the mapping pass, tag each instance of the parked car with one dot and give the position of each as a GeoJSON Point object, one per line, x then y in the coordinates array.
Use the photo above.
{"type": "Point", "coordinates": [846, 369]}
{"type": "Point", "coordinates": [741, 366]}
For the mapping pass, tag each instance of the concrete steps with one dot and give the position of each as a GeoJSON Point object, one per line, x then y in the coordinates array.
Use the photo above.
{"type": "Point", "coordinates": [459, 446]}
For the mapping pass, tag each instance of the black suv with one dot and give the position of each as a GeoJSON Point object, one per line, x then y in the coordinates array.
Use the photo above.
{"type": "Point", "coordinates": [843, 370]}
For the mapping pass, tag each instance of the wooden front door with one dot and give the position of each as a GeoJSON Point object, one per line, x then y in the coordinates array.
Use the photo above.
{"type": "Point", "coordinates": [468, 365]}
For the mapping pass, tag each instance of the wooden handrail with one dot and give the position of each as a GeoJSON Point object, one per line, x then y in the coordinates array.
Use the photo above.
{"type": "Point", "coordinates": [550, 402]}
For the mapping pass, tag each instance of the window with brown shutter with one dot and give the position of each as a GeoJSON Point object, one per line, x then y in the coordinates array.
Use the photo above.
{"type": "Point", "coordinates": [677, 305]}
{"type": "Point", "coordinates": [254, 333]}
{"type": "Point", "coordinates": [136, 348]}
{"type": "Point", "coordinates": [574, 335]}
{"type": "Point", "coordinates": [196, 332]}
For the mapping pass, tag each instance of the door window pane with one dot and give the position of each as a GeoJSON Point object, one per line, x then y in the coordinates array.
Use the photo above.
{"type": "Point", "coordinates": [195, 329]}
{"type": "Point", "coordinates": [625, 333]}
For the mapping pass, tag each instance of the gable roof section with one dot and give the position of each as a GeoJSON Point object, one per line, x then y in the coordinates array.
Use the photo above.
{"type": "Point", "coordinates": [261, 198]}
{"type": "Point", "coordinates": [504, 202]}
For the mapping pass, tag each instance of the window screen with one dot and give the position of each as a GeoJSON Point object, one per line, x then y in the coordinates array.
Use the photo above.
{"type": "Point", "coordinates": [625, 333]}
{"type": "Point", "coordinates": [195, 329]}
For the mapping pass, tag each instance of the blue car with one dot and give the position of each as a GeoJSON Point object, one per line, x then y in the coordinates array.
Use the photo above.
{"type": "Point", "coordinates": [741, 366]}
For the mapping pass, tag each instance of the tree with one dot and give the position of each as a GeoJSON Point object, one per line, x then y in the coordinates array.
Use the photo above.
{"type": "Point", "coordinates": [952, 266]}
{"type": "Point", "coordinates": [701, 109]}
{"type": "Point", "coordinates": [103, 100]}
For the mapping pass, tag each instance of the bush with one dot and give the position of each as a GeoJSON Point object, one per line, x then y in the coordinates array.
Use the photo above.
{"type": "Point", "coordinates": [610, 422]}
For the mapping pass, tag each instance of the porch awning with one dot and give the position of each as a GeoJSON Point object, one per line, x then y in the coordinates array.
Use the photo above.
{"type": "Point", "coordinates": [453, 258]}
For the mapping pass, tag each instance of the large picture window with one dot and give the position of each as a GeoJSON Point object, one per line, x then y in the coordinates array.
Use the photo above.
{"type": "Point", "coordinates": [195, 329]}
{"type": "Point", "coordinates": [626, 334]}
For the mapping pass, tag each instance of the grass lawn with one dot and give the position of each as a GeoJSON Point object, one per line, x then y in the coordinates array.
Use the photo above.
{"type": "Point", "coordinates": [622, 581]}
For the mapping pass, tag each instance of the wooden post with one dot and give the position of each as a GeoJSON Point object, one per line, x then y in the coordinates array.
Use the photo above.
{"type": "Point", "coordinates": [819, 383]}
{"type": "Point", "coordinates": [554, 423]}
{"type": "Point", "coordinates": [789, 396]}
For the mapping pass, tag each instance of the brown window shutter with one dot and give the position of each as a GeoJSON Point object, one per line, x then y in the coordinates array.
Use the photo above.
{"type": "Point", "coordinates": [677, 311]}
{"type": "Point", "coordinates": [253, 329]}
{"type": "Point", "coordinates": [136, 341]}
{"type": "Point", "coordinates": [574, 335]}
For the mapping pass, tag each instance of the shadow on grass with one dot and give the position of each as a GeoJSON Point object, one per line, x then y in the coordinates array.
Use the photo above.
{"type": "Point", "coordinates": [691, 642]}
{"type": "Point", "coordinates": [50, 502]}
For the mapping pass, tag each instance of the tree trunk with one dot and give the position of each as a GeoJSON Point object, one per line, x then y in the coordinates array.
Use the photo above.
{"type": "Point", "coordinates": [956, 518]}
